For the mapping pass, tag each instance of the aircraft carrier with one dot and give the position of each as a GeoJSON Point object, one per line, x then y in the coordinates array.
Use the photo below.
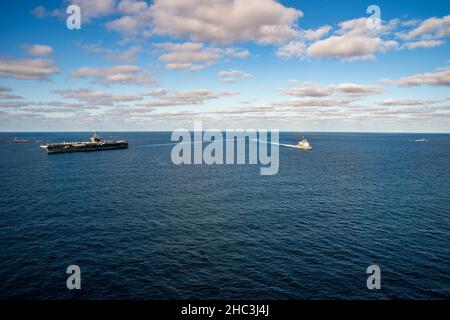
{"type": "Point", "coordinates": [95, 143]}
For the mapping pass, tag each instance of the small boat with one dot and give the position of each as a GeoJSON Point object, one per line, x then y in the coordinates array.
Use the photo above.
{"type": "Point", "coordinates": [422, 140]}
{"type": "Point", "coordinates": [304, 144]}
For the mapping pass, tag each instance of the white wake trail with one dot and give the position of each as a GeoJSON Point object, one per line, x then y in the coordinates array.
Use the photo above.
{"type": "Point", "coordinates": [174, 143]}
{"type": "Point", "coordinates": [279, 144]}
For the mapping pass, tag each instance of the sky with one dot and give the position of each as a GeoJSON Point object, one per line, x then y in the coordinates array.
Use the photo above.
{"type": "Point", "coordinates": [248, 64]}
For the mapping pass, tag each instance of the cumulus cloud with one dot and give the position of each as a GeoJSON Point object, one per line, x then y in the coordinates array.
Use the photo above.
{"type": "Point", "coordinates": [308, 89]}
{"type": "Point", "coordinates": [432, 28]}
{"type": "Point", "coordinates": [423, 44]}
{"type": "Point", "coordinates": [13, 104]}
{"type": "Point", "coordinates": [94, 97]}
{"type": "Point", "coordinates": [261, 21]}
{"type": "Point", "coordinates": [5, 93]}
{"type": "Point", "coordinates": [155, 93]}
{"type": "Point", "coordinates": [349, 47]}
{"type": "Point", "coordinates": [317, 33]}
{"type": "Point", "coordinates": [253, 109]}
{"type": "Point", "coordinates": [193, 56]}
{"type": "Point", "coordinates": [356, 89]}
{"type": "Point", "coordinates": [334, 95]}
{"type": "Point", "coordinates": [89, 9]}
{"type": "Point", "coordinates": [293, 49]}
{"type": "Point", "coordinates": [354, 41]}
{"type": "Point", "coordinates": [127, 25]}
{"type": "Point", "coordinates": [351, 40]}
{"type": "Point", "coordinates": [41, 12]}
{"type": "Point", "coordinates": [317, 102]}
{"type": "Point", "coordinates": [121, 74]}
{"type": "Point", "coordinates": [129, 55]}
{"type": "Point", "coordinates": [437, 78]}
{"type": "Point", "coordinates": [407, 102]}
{"type": "Point", "coordinates": [229, 76]}
{"type": "Point", "coordinates": [236, 52]}
{"type": "Point", "coordinates": [39, 50]}
{"type": "Point", "coordinates": [192, 97]}
{"type": "Point", "coordinates": [132, 6]}
{"type": "Point", "coordinates": [27, 69]}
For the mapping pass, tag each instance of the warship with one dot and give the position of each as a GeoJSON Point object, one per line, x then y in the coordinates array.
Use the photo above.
{"type": "Point", "coordinates": [304, 144]}
{"type": "Point", "coordinates": [20, 140]}
{"type": "Point", "coordinates": [95, 143]}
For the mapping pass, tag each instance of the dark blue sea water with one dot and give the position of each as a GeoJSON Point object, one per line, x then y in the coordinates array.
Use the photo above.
{"type": "Point", "coordinates": [140, 227]}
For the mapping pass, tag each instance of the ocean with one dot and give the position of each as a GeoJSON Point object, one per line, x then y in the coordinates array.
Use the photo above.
{"type": "Point", "coordinates": [140, 227]}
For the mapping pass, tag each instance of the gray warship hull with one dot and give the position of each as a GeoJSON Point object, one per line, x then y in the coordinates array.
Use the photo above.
{"type": "Point", "coordinates": [84, 146]}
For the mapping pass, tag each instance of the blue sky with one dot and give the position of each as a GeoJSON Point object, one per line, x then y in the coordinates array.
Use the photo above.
{"type": "Point", "coordinates": [288, 65]}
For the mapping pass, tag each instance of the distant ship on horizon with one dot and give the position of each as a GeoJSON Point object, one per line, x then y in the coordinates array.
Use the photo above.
{"type": "Point", "coordinates": [304, 144]}
{"type": "Point", "coordinates": [20, 140]}
{"type": "Point", "coordinates": [95, 143]}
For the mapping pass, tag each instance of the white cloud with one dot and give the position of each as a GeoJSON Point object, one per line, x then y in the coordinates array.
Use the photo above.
{"type": "Point", "coordinates": [293, 49]}
{"type": "Point", "coordinates": [437, 78]}
{"type": "Point", "coordinates": [95, 9]}
{"type": "Point", "coordinates": [261, 21]}
{"type": "Point", "coordinates": [317, 102]}
{"type": "Point", "coordinates": [432, 28]}
{"type": "Point", "coordinates": [129, 55]}
{"type": "Point", "coordinates": [121, 74]}
{"type": "Point", "coordinates": [356, 89]}
{"type": "Point", "coordinates": [192, 97]}
{"type": "Point", "coordinates": [188, 56]}
{"type": "Point", "coordinates": [236, 53]}
{"type": "Point", "coordinates": [350, 47]}
{"type": "Point", "coordinates": [5, 93]}
{"type": "Point", "coordinates": [407, 102]}
{"type": "Point", "coordinates": [334, 95]}
{"type": "Point", "coordinates": [132, 6]}
{"type": "Point", "coordinates": [308, 89]}
{"type": "Point", "coordinates": [13, 104]}
{"type": "Point", "coordinates": [155, 93]}
{"type": "Point", "coordinates": [423, 44]}
{"type": "Point", "coordinates": [318, 33]}
{"type": "Point", "coordinates": [193, 56]}
{"type": "Point", "coordinates": [90, 9]}
{"type": "Point", "coordinates": [39, 50]}
{"type": "Point", "coordinates": [27, 69]}
{"type": "Point", "coordinates": [229, 76]}
{"type": "Point", "coordinates": [41, 12]}
{"type": "Point", "coordinates": [128, 25]}
{"type": "Point", "coordinates": [352, 41]}
{"type": "Point", "coordinates": [95, 98]}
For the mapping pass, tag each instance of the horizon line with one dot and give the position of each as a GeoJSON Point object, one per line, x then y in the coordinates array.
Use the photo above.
{"type": "Point", "coordinates": [224, 130]}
